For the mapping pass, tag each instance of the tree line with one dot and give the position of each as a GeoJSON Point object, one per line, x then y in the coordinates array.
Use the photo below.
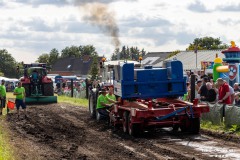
{"type": "Point", "coordinates": [125, 52]}
{"type": "Point", "coordinates": [72, 51]}
{"type": "Point", "coordinates": [132, 53]}
{"type": "Point", "coordinates": [204, 43]}
{"type": "Point", "coordinates": [129, 53]}
{"type": "Point", "coordinates": [8, 64]}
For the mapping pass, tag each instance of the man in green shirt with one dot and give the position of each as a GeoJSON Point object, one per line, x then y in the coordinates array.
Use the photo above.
{"type": "Point", "coordinates": [2, 96]}
{"type": "Point", "coordinates": [103, 105]}
{"type": "Point", "coordinates": [110, 96]}
{"type": "Point", "coordinates": [19, 92]}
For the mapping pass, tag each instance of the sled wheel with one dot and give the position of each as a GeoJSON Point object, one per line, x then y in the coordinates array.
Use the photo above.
{"type": "Point", "coordinates": [98, 116]}
{"type": "Point", "coordinates": [185, 125]}
{"type": "Point", "coordinates": [125, 122]}
{"type": "Point", "coordinates": [175, 127]}
{"type": "Point", "coordinates": [133, 128]}
{"type": "Point", "coordinates": [92, 106]}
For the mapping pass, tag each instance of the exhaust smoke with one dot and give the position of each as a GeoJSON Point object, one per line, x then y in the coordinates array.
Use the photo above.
{"type": "Point", "coordinates": [98, 14]}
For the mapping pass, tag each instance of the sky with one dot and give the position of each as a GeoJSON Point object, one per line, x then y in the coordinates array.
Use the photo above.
{"type": "Point", "coordinates": [30, 28]}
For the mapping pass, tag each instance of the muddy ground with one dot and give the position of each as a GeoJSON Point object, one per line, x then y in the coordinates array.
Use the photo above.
{"type": "Point", "coordinates": [63, 131]}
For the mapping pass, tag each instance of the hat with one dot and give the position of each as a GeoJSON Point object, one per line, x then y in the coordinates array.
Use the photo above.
{"type": "Point", "coordinates": [205, 79]}
{"type": "Point", "coordinates": [199, 81]}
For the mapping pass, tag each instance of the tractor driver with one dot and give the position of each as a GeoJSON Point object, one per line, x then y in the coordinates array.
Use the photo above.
{"type": "Point", "coordinates": [34, 76]}
{"type": "Point", "coordinates": [103, 105]}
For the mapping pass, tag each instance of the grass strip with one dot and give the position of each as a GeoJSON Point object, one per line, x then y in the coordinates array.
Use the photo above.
{"type": "Point", "coordinates": [6, 152]}
{"type": "Point", "coordinates": [76, 101]}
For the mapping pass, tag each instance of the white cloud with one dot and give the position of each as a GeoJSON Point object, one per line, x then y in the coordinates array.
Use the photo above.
{"type": "Point", "coordinates": [29, 28]}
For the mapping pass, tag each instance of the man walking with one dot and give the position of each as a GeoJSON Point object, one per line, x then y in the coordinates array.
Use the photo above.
{"type": "Point", "coordinates": [19, 92]}
{"type": "Point", "coordinates": [2, 96]}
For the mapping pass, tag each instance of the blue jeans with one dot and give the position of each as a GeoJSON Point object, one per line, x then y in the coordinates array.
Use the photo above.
{"type": "Point", "coordinates": [103, 111]}
{"type": "Point", "coordinates": [19, 102]}
{"type": "Point", "coordinates": [3, 102]}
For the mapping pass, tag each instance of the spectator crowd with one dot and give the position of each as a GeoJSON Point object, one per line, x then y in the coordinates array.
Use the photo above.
{"type": "Point", "coordinates": [214, 92]}
{"type": "Point", "coordinates": [79, 88]}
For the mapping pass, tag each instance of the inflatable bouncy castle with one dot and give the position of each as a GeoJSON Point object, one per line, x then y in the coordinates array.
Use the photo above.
{"type": "Point", "coordinates": [229, 72]}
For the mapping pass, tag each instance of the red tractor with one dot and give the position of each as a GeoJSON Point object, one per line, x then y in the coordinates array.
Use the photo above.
{"type": "Point", "coordinates": [38, 87]}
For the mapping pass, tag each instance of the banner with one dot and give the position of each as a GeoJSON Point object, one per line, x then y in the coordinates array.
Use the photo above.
{"type": "Point", "coordinates": [207, 65]}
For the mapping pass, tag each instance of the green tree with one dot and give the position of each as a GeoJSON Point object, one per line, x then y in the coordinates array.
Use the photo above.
{"type": "Point", "coordinates": [43, 58]}
{"type": "Point", "coordinates": [143, 52]}
{"type": "Point", "coordinates": [94, 68]}
{"type": "Point", "coordinates": [53, 56]}
{"type": "Point", "coordinates": [20, 72]}
{"type": "Point", "coordinates": [72, 51]}
{"type": "Point", "coordinates": [115, 54]}
{"type": "Point", "coordinates": [123, 53]}
{"type": "Point", "coordinates": [206, 43]}
{"type": "Point", "coordinates": [8, 64]}
{"type": "Point", "coordinates": [173, 53]}
{"type": "Point", "coordinates": [88, 50]}
{"type": "Point", "coordinates": [131, 53]}
{"type": "Point", "coordinates": [135, 53]}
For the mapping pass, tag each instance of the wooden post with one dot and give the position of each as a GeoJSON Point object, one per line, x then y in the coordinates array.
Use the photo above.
{"type": "Point", "coordinates": [71, 87]}
{"type": "Point", "coordinates": [193, 79]}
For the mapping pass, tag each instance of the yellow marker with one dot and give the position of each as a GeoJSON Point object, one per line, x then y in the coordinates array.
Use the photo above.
{"type": "Point", "coordinates": [233, 44]}
{"type": "Point", "coordinates": [218, 60]}
{"type": "Point", "coordinates": [222, 69]}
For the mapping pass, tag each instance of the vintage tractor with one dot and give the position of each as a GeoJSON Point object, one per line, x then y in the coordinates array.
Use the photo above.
{"type": "Point", "coordinates": [38, 87]}
{"type": "Point", "coordinates": [149, 99]}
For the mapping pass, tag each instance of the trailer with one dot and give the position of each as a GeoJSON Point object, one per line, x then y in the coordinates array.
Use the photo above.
{"type": "Point", "coordinates": [149, 98]}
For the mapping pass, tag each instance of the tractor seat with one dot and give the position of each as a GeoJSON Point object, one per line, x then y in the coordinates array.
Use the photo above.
{"type": "Point", "coordinates": [35, 76]}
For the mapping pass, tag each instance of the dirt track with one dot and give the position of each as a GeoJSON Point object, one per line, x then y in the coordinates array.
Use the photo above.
{"type": "Point", "coordinates": [62, 131]}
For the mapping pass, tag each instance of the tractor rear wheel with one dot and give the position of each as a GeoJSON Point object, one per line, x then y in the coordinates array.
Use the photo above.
{"type": "Point", "coordinates": [27, 89]}
{"type": "Point", "coordinates": [92, 105]}
{"type": "Point", "coordinates": [185, 125]}
{"type": "Point", "coordinates": [125, 121]}
{"type": "Point", "coordinates": [133, 129]}
{"type": "Point", "coordinates": [175, 127]}
{"type": "Point", "coordinates": [48, 89]}
{"type": "Point", "coordinates": [191, 125]}
{"type": "Point", "coordinates": [195, 125]}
